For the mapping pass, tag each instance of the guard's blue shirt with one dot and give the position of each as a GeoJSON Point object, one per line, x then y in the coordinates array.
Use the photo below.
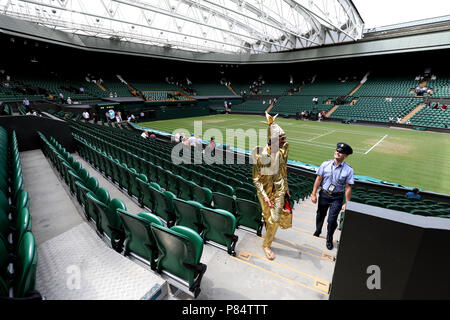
{"type": "Point", "coordinates": [342, 175]}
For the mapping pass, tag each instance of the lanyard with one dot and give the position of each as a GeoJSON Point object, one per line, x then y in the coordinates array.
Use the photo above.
{"type": "Point", "coordinates": [332, 176]}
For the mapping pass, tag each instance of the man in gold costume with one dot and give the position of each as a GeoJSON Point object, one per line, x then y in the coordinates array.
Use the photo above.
{"type": "Point", "coordinates": [270, 179]}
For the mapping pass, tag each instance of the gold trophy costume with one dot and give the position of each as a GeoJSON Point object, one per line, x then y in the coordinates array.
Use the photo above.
{"type": "Point", "coordinates": [270, 178]}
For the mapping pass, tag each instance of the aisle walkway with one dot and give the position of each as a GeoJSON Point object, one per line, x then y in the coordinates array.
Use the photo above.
{"type": "Point", "coordinates": [73, 262]}
{"type": "Point", "coordinates": [68, 246]}
{"type": "Point", "coordinates": [303, 267]}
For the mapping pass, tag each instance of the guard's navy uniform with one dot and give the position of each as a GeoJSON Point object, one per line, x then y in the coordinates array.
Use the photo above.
{"type": "Point", "coordinates": [331, 195]}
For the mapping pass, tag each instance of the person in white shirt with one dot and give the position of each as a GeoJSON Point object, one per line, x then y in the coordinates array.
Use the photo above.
{"type": "Point", "coordinates": [69, 101]}
{"type": "Point", "coordinates": [177, 137]}
{"type": "Point", "coordinates": [192, 140]}
{"type": "Point", "coordinates": [119, 117]}
{"type": "Point", "coordinates": [85, 115]}
{"type": "Point", "coordinates": [144, 134]}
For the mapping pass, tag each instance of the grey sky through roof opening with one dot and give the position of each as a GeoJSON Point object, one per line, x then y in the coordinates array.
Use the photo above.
{"type": "Point", "coordinates": [387, 12]}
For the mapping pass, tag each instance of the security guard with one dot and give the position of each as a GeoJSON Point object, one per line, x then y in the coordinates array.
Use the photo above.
{"type": "Point", "coordinates": [335, 178]}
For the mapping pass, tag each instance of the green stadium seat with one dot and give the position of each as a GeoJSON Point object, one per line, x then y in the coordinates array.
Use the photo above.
{"type": "Point", "coordinates": [249, 214]}
{"type": "Point", "coordinates": [219, 227]}
{"type": "Point", "coordinates": [110, 223]}
{"type": "Point", "coordinates": [245, 194]}
{"type": "Point", "coordinates": [164, 205]}
{"type": "Point", "coordinates": [140, 241]}
{"type": "Point", "coordinates": [201, 194]}
{"type": "Point", "coordinates": [188, 214]}
{"type": "Point", "coordinates": [82, 188]}
{"type": "Point", "coordinates": [81, 176]}
{"type": "Point", "coordinates": [25, 266]}
{"type": "Point", "coordinates": [225, 202]}
{"type": "Point", "coordinates": [101, 196]}
{"type": "Point", "coordinates": [180, 250]}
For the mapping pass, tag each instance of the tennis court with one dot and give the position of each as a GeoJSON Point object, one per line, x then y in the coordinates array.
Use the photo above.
{"type": "Point", "coordinates": [407, 157]}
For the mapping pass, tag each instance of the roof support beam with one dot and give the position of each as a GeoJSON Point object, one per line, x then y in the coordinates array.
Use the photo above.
{"type": "Point", "coordinates": [130, 23]}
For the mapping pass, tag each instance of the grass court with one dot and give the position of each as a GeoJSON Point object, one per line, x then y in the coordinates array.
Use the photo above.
{"type": "Point", "coordinates": [407, 157]}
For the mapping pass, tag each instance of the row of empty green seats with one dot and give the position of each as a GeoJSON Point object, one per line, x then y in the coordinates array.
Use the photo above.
{"type": "Point", "coordinates": [18, 250]}
{"type": "Point", "coordinates": [144, 234]}
{"type": "Point", "coordinates": [54, 87]}
{"type": "Point", "coordinates": [6, 110]}
{"type": "Point", "coordinates": [211, 89]}
{"type": "Point", "coordinates": [377, 109]}
{"type": "Point", "coordinates": [327, 87]}
{"type": "Point", "coordinates": [186, 184]}
{"type": "Point", "coordinates": [400, 202]}
{"type": "Point", "coordinates": [251, 106]}
{"type": "Point", "coordinates": [152, 85]}
{"type": "Point", "coordinates": [388, 86]}
{"type": "Point", "coordinates": [430, 117]}
{"type": "Point", "coordinates": [237, 177]}
{"type": "Point", "coordinates": [290, 105]}
{"type": "Point", "coordinates": [440, 86]}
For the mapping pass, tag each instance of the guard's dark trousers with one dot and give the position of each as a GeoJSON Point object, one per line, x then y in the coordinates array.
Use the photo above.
{"type": "Point", "coordinates": [334, 203]}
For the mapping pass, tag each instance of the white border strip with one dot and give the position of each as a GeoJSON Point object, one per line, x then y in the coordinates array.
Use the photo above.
{"type": "Point", "coordinates": [376, 144]}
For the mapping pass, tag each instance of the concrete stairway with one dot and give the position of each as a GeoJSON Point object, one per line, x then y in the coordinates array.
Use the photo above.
{"type": "Point", "coordinates": [331, 111]}
{"type": "Point", "coordinates": [413, 112]}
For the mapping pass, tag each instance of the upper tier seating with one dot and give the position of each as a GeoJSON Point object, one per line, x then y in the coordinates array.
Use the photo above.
{"type": "Point", "coordinates": [377, 109]}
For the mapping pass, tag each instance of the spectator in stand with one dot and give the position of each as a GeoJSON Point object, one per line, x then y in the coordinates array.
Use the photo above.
{"type": "Point", "coordinates": [131, 118]}
{"type": "Point", "coordinates": [81, 90]}
{"type": "Point", "coordinates": [177, 137]}
{"type": "Point", "coordinates": [94, 116]}
{"type": "Point", "coordinates": [144, 134]}
{"type": "Point", "coordinates": [192, 140]}
{"type": "Point", "coordinates": [391, 119]}
{"type": "Point", "coordinates": [119, 117]}
{"type": "Point", "coordinates": [153, 136]}
{"type": "Point", "coordinates": [413, 194]}
{"type": "Point", "coordinates": [115, 94]}
{"type": "Point", "coordinates": [418, 91]}
{"type": "Point", "coordinates": [212, 146]}
{"type": "Point", "coordinates": [85, 115]}
{"type": "Point", "coordinates": [61, 97]}
{"type": "Point", "coordinates": [69, 101]}
{"type": "Point", "coordinates": [315, 100]}
{"type": "Point", "coordinates": [408, 121]}
{"type": "Point", "coordinates": [444, 107]}
{"type": "Point", "coordinates": [399, 119]}
{"type": "Point", "coordinates": [26, 104]}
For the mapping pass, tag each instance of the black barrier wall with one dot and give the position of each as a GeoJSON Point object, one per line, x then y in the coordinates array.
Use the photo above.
{"type": "Point", "coordinates": [387, 254]}
{"type": "Point", "coordinates": [27, 126]}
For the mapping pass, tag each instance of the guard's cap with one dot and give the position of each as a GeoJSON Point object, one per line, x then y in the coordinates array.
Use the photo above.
{"type": "Point", "coordinates": [344, 148]}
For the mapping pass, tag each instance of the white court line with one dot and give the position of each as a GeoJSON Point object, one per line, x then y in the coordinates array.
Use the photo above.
{"type": "Point", "coordinates": [324, 134]}
{"type": "Point", "coordinates": [376, 144]}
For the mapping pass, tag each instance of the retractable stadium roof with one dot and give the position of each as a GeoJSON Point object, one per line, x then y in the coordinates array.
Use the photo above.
{"type": "Point", "coordinates": [212, 26]}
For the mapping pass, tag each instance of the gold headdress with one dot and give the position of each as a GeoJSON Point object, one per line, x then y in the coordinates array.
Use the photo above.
{"type": "Point", "coordinates": [273, 127]}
